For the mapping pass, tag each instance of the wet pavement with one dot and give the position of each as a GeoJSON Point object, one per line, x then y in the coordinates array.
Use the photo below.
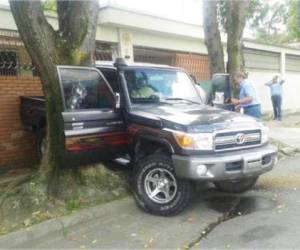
{"type": "Point", "coordinates": [265, 217]}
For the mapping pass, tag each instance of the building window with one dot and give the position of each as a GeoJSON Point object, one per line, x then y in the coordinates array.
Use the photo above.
{"type": "Point", "coordinates": [8, 63]}
{"type": "Point", "coordinates": [105, 51]}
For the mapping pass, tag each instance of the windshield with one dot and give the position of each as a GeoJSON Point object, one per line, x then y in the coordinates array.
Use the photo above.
{"type": "Point", "coordinates": [158, 85]}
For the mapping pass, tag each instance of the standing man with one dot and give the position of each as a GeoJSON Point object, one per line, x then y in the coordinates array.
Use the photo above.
{"type": "Point", "coordinates": [276, 96]}
{"type": "Point", "coordinates": [248, 99]}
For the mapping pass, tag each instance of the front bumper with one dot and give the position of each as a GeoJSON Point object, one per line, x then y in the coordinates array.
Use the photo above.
{"type": "Point", "coordinates": [226, 166]}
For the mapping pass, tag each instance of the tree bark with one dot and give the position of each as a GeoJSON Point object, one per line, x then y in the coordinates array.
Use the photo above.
{"type": "Point", "coordinates": [212, 37]}
{"type": "Point", "coordinates": [77, 27]}
{"type": "Point", "coordinates": [73, 43]}
{"type": "Point", "coordinates": [236, 13]}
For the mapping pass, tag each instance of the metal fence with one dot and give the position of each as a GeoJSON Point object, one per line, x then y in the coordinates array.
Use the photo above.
{"type": "Point", "coordinates": [10, 65]}
{"type": "Point", "coordinates": [14, 60]}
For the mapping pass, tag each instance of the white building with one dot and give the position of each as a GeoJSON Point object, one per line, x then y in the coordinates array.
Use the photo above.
{"type": "Point", "coordinates": [145, 37]}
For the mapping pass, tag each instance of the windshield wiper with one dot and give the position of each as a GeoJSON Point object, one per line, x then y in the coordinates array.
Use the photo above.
{"type": "Point", "coordinates": [180, 99]}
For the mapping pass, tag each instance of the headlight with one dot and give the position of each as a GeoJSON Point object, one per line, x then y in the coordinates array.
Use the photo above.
{"type": "Point", "coordinates": [200, 141]}
{"type": "Point", "coordinates": [264, 134]}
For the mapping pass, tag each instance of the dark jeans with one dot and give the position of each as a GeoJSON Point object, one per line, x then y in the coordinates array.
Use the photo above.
{"type": "Point", "coordinates": [253, 110]}
{"type": "Point", "coordinates": [276, 101]}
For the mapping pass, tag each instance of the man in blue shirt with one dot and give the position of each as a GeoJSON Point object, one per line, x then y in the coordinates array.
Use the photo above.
{"type": "Point", "coordinates": [248, 99]}
{"type": "Point", "coordinates": [276, 96]}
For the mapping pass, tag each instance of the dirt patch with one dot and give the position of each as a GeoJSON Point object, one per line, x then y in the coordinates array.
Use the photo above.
{"type": "Point", "coordinates": [27, 203]}
{"type": "Point", "coordinates": [285, 182]}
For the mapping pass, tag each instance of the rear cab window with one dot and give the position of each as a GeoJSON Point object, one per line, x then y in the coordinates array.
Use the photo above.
{"type": "Point", "coordinates": [111, 75]}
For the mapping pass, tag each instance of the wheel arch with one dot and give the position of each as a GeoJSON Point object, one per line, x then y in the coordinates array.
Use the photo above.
{"type": "Point", "coordinates": [149, 144]}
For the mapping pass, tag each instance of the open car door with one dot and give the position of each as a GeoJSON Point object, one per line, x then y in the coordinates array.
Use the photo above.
{"type": "Point", "coordinates": [92, 121]}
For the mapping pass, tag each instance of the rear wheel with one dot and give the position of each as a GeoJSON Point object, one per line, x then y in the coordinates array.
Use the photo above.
{"type": "Point", "coordinates": [156, 187]}
{"type": "Point", "coordinates": [236, 186]}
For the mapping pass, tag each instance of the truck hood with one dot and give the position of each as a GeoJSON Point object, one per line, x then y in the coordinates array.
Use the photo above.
{"type": "Point", "coordinates": [192, 117]}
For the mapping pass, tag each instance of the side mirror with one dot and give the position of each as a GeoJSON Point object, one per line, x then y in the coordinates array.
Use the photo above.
{"type": "Point", "coordinates": [118, 101]}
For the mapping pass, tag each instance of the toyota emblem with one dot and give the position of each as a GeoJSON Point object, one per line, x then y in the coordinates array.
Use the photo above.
{"type": "Point", "coordinates": [240, 138]}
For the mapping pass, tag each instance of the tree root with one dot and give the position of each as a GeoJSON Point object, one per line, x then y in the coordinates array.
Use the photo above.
{"type": "Point", "coordinates": [13, 188]}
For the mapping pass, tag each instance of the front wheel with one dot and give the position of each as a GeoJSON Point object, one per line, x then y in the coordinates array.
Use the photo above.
{"type": "Point", "coordinates": [236, 186]}
{"type": "Point", "coordinates": [156, 187]}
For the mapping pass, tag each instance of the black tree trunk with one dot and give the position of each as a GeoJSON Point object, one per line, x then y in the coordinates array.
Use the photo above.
{"type": "Point", "coordinates": [73, 43]}
{"type": "Point", "coordinates": [212, 37]}
{"type": "Point", "coordinates": [236, 13]}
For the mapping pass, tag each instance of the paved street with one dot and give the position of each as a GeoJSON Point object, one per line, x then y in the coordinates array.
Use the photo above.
{"type": "Point", "coordinates": [273, 221]}
{"type": "Point", "coordinates": [266, 217]}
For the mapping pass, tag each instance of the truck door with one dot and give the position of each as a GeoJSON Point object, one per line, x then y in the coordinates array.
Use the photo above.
{"type": "Point", "coordinates": [220, 93]}
{"type": "Point", "coordinates": [92, 121]}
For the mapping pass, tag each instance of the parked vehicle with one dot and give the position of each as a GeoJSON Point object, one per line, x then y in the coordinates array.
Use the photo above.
{"type": "Point", "coordinates": [153, 114]}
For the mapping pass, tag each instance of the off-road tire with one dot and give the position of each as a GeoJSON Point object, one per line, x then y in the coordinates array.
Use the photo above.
{"type": "Point", "coordinates": [236, 186]}
{"type": "Point", "coordinates": [163, 162]}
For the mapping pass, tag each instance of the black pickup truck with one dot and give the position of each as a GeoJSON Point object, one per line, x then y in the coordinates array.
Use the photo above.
{"type": "Point", "coordinates": [154, 114]}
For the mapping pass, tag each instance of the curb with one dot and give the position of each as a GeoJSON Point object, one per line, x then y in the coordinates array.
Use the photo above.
{"type": "Point", "coordinates": [285, 149]}
{"type": "Point", "coordinates": [35, 232]}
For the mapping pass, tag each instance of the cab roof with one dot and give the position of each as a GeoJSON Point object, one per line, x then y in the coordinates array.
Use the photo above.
{"type": "Point", "coordinates": [110, 64]}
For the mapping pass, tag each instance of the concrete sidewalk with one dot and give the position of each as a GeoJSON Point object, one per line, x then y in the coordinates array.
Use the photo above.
{"type": "Point", "coordinates": [286, 131]}
{"type": "Point", "coordinates": [116, 225]}
{"type": "Point", "coordinates": [288, 136]}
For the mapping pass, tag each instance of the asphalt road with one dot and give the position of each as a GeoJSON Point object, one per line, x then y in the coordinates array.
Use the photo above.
{"type": "Point", "coordinates": [266, 217]}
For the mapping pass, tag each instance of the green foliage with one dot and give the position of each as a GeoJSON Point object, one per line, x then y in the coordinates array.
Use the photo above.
{"type": "Point", "coordinates": [72, 205]}
{"type": "Point", "coordinates": [294, 19]}
{"type": "Point", "coordinates": [50, 5]}
{"type": "Point", "coordinates": [253, 4]}
{"type": "Point", "coordinates": [268, 20]}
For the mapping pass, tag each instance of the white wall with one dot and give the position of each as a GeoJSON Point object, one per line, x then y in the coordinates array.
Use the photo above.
{"type": "Point", "coordinates": [168, 42]}
{"type": "Point", "coordinates": [291, 89]}
{"type": "Point", "coordinates": [259, 78]}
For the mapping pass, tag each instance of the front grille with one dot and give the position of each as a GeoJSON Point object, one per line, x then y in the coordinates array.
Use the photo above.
{"type": "Point", "coordinates": [237, 140]}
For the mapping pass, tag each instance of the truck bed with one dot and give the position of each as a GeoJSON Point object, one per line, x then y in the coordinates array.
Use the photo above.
{"type": "Point", "coordinates": [32, 111]}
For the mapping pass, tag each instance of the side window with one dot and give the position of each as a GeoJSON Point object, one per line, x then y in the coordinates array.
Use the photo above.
{"type": "Point", "coordinates": [85, 89]}
{"type": "Point", "coordinates": [112, 78]}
